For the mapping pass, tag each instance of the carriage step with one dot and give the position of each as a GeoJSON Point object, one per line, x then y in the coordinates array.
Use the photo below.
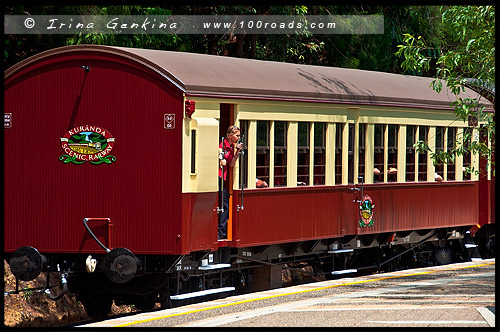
{"type": "Point", "coordinates": [339, 251]}
{"type": "Point", "coordinates": [344, 271]}
{"type": "Point", "coordinates": [214, 266]}
{"type": "Point", "coordinates": [201, 293]}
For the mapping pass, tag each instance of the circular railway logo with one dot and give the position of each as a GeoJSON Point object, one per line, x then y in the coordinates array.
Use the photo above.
{"type": "Point", "coordinates": [87, 143]}
{"type": "Point", "coordinates": [366, 211]}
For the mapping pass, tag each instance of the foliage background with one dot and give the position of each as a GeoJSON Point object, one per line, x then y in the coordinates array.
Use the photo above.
{"type": "Point", "coordinates": [371, 52]}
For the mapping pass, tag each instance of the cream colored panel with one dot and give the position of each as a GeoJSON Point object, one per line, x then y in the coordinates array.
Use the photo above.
{"type": "Point", "coordinates": [345, 153]}
{"type": "Point", "coordinates": [207, 147]}
{"type": "Point", "coordinates": [445, 142]}
{"type": "Point", "coordinates": [356, 153]}
{"type": "Point", "coordinates": [401, 164]}
{"type": "Point", "coordinates": [415, 157]}
{"type": "Point", "coordinates": [330, 154]}
{"type": "Point", "coordinates": [292, 152]}
{"type": "Point", "coordinates": [271, 154]}
{"type": "Point", "coordinates": [311, 154]}
{"type": "Point", "coordinates": [416, 116]}
{"type": "Point", "coordinates": [386, 152]}
{"type": "Point", "coordinates": [292, 112]}
{"type": "Point", "coordinates": [206, 108]}
{"type": "Point", "coordinates": [431, 141]}
{"type": "Point", "coordinates": [369, 152]}
{"type": "Point", "coordinates": [280, 111]}
{"type": "Point", "coordinates": [325, 112]}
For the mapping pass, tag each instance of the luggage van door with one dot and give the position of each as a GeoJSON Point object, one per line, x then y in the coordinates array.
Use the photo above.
{"type": "Point", "coordinates": [200, 179]}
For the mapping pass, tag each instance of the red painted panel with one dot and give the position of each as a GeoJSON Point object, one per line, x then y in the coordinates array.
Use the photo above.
{"type": "Point", "coordinates": [492, 200]}
{"type": "Point", "coordinates": [277, 215]}
{"type": "Point", "coordinates": [46, 200]}
{"type": "Point", "coordinates": [274, 215]}
{"type": "Point", "coordinates": [422, 206]}
{"type": "Point", "coordinates": [200, 221]}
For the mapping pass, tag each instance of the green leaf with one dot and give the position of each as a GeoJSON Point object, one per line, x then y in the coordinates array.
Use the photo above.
{"type": "Point", "coordinates": [469, 44]}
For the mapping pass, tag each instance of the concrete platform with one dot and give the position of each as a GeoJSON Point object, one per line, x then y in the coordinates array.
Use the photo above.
{"type": "Point", "coordinates": [456, 295]}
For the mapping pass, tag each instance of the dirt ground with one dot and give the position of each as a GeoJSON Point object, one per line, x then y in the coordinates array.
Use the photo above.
{"type": "Point", "coordinates": [35, 309]}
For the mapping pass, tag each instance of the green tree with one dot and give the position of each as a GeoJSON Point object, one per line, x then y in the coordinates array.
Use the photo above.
{"type": "Point", "coordinates": [466, 58]}
{"type": "Point", "coordinates": [371, 52]}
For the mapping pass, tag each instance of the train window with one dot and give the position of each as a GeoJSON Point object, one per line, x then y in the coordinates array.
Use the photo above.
{"type": "Point", "coordinates": [392, 153]}
{"type": "Point", "coordinates": [350, 154]}
{"type": "Point", "coordinates": [262, 170]}
{"type": "Point", "coordinates": [303, 154]}
{"type": "Point", "coordinates": [319, 153]}
{"type": "Point", "coordinates": [422, 157]}
{"type": "Point", "coordinates": [193, 151]}
{"type": "Point", "coordinates": [244, 157]}
{"type": "Point", "coordinates": [280, 154]}
{"type": "Point", "coordinates": [410, 153]}
{"type": "Point", "coordinates": [450, 166]}
{"type": "Point", "coordinates": [361, 160]}
{"type": "Point", "coordinates": [467, 157]}
{"type": "Point", "coordinates": [378, 154]}
{"type": "Point", "coordinates": [439, 147]}
{"type": "Point", "coordinates": [338, 152]}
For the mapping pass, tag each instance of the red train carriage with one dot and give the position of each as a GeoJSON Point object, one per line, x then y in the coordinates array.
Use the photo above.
{"type": "Point", "coordinates": [110, 172]}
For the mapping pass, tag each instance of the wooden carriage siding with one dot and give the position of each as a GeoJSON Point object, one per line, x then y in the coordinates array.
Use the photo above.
{"type": "Point", "coordinates": [253, 90]}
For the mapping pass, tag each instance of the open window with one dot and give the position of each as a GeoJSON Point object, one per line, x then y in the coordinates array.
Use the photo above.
{"type": "Point", "coordinates": [361, 155]}
{"type": "Point", "coordinates": [439, 147]}
{"type": "Point", "coordinates": [410, 153]}
{"type": "Point", "coordinates": [450, 166]}
{"type": "Point", "coordinates": [280, 153]}
{"type": "Point", "coordinates": [467, 157]}
{"type": "Point", "coordinates": [303, 155]}
{"type": "Point", "coordinates": [392, 153]}
{"type": "Point", "coordinates": [378, 154]}
{"type": "Point", "coordinates": [422, 157]}
{"type": "Point", "coordinates": [339, 127]}
{"type": "Point", "coordinates": [350, 154]}
{"type": "Point", "coordinates": [262, 151]}
{"type": "Point", "coordinates": [319, 153]}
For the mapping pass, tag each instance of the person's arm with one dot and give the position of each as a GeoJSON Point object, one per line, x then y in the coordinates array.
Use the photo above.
{"type": "Point", "coordinates": [236, 154]}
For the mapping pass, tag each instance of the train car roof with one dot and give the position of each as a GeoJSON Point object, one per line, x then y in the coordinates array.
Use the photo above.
{"type": "Point", "coordinates": [228, 77]}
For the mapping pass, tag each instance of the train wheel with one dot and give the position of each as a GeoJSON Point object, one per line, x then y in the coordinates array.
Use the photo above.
{"type": "Point", "coordinates": [146, 303]}
{"type": "Point", "coordinates": [486, 247]}
{"type": "Point", "coordinates": [165, 301]}
{"type": "Point", "coordinates": [491, 248]}
{"type": "Point", "coordinates": [97, 306]}
{"type": "Point", "coordinates": [443, 256]}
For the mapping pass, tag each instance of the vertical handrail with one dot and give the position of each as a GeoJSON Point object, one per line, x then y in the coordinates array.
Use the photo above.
{"type": "Point", "coordinates": [241, 173]}
{"type": "Point", "coordinates": [362, 184]}
{"type": "Point", "coordinates": [220, 208]}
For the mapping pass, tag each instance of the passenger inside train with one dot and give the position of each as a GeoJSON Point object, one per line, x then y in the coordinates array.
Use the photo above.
{"type": "Point", "coordinates": [227, 158]}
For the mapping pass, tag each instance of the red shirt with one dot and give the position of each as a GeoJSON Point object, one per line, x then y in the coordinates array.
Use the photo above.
{"type": "Point", "coordinates": [228, 153]}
